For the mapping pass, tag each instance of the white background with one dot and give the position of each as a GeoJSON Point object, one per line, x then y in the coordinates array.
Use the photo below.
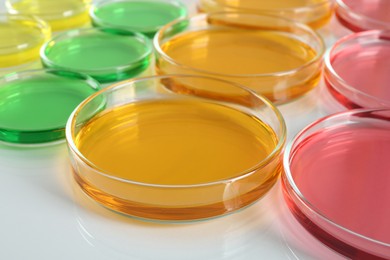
{"type": "Point", "coordinates": [44, 215]}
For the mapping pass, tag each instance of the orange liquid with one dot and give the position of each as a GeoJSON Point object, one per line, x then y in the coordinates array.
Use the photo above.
{"type": "Point", "coordinates": [317, 14]}
{"type": "Point", "coordinates": [176, 143]}
{"type": "Point", "coordinates": [240, 55]}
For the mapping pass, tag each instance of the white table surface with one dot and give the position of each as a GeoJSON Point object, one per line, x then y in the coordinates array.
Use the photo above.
{"type": "Point", "coordinates": [44, 215]}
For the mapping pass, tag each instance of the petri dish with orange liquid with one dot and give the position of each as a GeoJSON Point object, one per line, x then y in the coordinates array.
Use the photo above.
{"type": "Point", "coordinates": [363, 15]}
{"type": "Point", "coordinates": [315, 13]}
{"type": "Point", "coordinates": [277, 58]}
{"type": "Point", "coordinates": [160, 153]}
{"type": "Point", "coordinates": [106, 54]}
{"type": "Point", "coordinates": [336, 182]}
{"type": "Point", "coordinates": [144, 16]}
{"type": "Point", "coordinates": [21, 39]}
{"type": "Point", "coordinates": [60, 15]}
{"type": "Point", "coordinates": [357, 69]}
{"type": "Point", "coordinates": [35, 104]}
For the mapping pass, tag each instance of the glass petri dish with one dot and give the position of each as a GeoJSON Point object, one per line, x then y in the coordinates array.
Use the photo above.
{"type": "Point", "coordinates": [108, 55]}
{"type": "Point", "coordinates": [36, 104]}
{"type": "Point", "coordinates": [277, 58]}
{"type": "Point", "coordinates": [60, 15]}
{"type": "Point", "coordinates": [362, 15]}
{"type": "Point", "coordinates": [145, 16]}
{"type": "Point", "coordinates": [336, 179]}
{"type": "Point", "coordinates": [356, 70]}
{"type": "Point", "coordinates": [21, 38]}
{"type": "Point", "coordinates": [315, 13]}
{"type": "Point", "coordinates": [158, 153]}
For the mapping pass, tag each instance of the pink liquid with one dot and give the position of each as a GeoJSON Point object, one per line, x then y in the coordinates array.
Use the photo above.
{"type": "Point", "coordinates": [375, 9]}
{"type": "Point", "coordinates": [365, 68]}
{"type": "Point", "coordinates": [378, 10]}
{"type": "Point", "coordinates": [344, 172]}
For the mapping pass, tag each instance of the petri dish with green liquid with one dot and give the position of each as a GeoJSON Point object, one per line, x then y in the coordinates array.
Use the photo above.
{"type": "Point", "coordinates": [106, 54]}
{"type": "Point", "coordinates": [145, 16]}
{"type": "Point", "coordinates": [35, 105]}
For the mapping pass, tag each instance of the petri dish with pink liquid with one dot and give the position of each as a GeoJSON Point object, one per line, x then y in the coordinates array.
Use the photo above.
{"type": "Point", "coordinates": [357, 70]}
{"type": "Point", "coordinates": [336, 182]}
{"type": "Point", "coordinates": [362, 15]}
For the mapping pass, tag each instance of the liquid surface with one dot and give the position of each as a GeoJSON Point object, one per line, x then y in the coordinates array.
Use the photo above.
{"type": "Point", "coordinates": [19, 43]}
{"type": "Point", "coordinates": [259, 52]}
{"type": "Point", "coordinates": [175, 142]}
{"type": "Point", "coordinates": [99, 54]}
{"type": "Point", "coordinates": [343, 172]}
{"type": "Point", "coordinates": [61, 15]}
{"type": "Point", "coordinates": [365, 68]}
{"type": "Point", "coordinates": [143, 16]}
{"type": "Point", "coordinates": [36, 104]}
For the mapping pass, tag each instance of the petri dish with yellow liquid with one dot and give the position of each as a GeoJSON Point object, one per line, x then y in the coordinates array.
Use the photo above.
{"type": "Point", "coordinates": [159, 153]}
{"type": "Point", "coordinates": [145, 16]}
{"type": "Point", "coordinates": [61, 15]}
{"type": "Point", "coordinates": [277, 58]}
{"type": "Point", "coordinates": [36, 104]}
{"type": "Point", "coordinates": [315, 13]}
{"type": "Point", "coordinates": [106, 54]}
{"type": "Point", "coordinates": [21, 38]}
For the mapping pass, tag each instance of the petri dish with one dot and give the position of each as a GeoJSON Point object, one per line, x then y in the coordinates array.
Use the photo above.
{"type": "Point", "coordinates": [363, 15]}
{"type": "Point", "coordinates": [356, 70]}
{"type": "Point", "coordinates": [21, 38]}
{"type": "Point", "coordinates": [108, 55]}
{"type": "Point", "coordinates": [336, 179]}
{"type": "Point", "coordinates": [145, 16]}
{"type": "Point", "coordinates": [36, 104]}
{"type": "Point", "coordinates": [60, 15]}
{"type": "Point", "coordinates": [158, 153]}
{"type": "Point", "coordinates": [315, 13]}
{"type": "Point", "coordinates": [277, 58]}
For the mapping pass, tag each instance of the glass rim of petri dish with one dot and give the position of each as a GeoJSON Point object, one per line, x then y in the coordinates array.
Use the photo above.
{"type": "Point", "coordinates": [43, 136]}
{"type": "Point", "coordinates": [106, 71]}
{"type": "Point", "coordinates": [340, 4]}
{"type": "Point", "coordinates": [70, 138]}
{"type": "Point", "coordinates": [33, 22]}
{"type": "Point", "coordinates": [143, 29]}
{"type": "Point", "coordinates": [332, 76]}
{"type": "Point", "coordinates": [47, 14]}
{"type": "Point", "coordinates": [291, 186]}
{"type": "Point", "coordinates": [280, 9]}
{"type": "Point", "coordinates": [159, 35]}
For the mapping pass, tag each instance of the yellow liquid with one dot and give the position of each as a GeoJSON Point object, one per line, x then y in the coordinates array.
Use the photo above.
{"type": "Point", "coordinates": [20, 43]}
{"type": "Point", "coordinates": [60, 14]}
{"type": "Point", "coordinates": [243, 54]}
{"type": "Point", "coordinates": [318, 11]}
{"type": "Point", "coordinates": [176, 142]}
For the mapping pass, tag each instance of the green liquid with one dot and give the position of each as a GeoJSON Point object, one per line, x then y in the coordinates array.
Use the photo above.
{"type": "Point", "coordinates": [107, 57]}
{"type": "Point", "coordinates": [142, 16]}
{"type": "Point", "coordinates": [36, 109]}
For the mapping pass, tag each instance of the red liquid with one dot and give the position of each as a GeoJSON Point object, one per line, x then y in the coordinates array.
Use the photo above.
{"type": "Point", "coordinates": [378, 10]}
{"type": "Point", "coordinates": [365, 68]}
{"type": "Point", "coordinates": [344, 172]}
